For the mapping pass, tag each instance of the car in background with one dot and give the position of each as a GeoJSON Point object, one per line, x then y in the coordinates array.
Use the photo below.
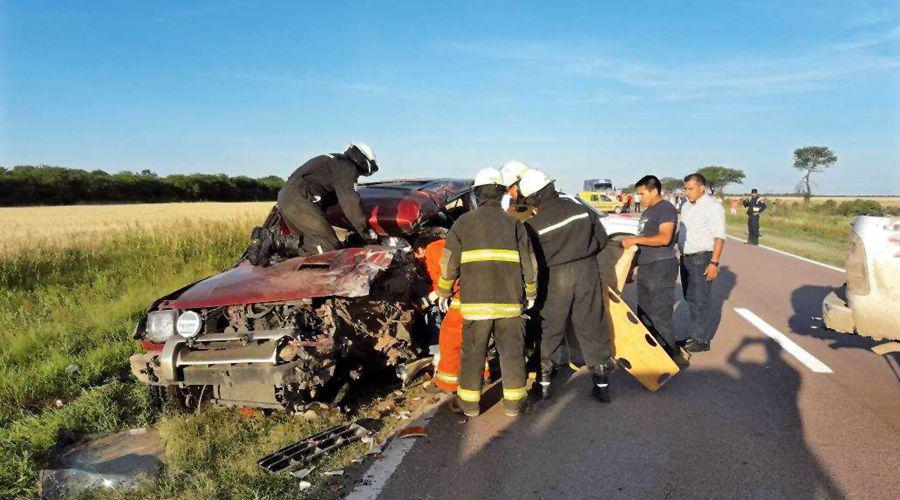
{"type": "Point", "coordinates": [869, 302]}
{"type": "Point", "coordinates": [602, 202]}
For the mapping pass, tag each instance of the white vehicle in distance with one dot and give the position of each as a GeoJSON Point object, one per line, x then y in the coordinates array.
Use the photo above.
{"type": "Point", "coordinates": [869, 303]}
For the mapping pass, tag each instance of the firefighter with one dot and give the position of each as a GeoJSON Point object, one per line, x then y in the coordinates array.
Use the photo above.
{"type": "Point", "coordinates": [490, 253]}
{"type": "Point", "coordinates": [512, 202]}
{"type": "Point", "coordinates": [755, 207]}
{"type": "Point", "coordinates": [319, 183]}
{"type": "Point", "coordinates": [568, 237]}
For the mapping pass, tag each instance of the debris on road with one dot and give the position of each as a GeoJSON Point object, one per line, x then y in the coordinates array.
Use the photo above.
{"type": "Point", "coordinates": [312, 447]}
{"type": "Point", "coordinates": [411, 432]}
{"type": "Point", "coordinates": [115, 461]}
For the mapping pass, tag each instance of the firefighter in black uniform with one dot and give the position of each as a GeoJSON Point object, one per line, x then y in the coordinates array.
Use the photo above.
{"type": "Point", "coordinates": [755, 207]}
{"type": "Point", "coordinates": [490, 253]}
{"type": "Point", "coordinates": [319, 183]}
{"type": "Point", "coordinates": [568, 237]}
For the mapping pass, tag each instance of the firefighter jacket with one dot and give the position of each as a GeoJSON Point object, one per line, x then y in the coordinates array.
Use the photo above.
{"type": "Point", "coordinates": [755, 206]}
{"type": "Point", "coordinates": [566, 231]}
{"type": "Point", "coordinates": [328, 180]}
{"type": "Point", "coordinates": [490, 253]}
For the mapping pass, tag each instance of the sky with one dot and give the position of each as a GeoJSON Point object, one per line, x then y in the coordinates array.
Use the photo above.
{"type": "Point", "coordinates": [580, 90]}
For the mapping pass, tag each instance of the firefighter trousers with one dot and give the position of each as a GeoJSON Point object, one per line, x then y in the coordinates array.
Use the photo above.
{"type": "Point", "coordinates": [450, 345]}
{"type": "Point", "coordinates": [306, 220]}
{"type": "Point", "coordinates": [574, 294]}
{"type": "Point", "coordinates": [509, 336]}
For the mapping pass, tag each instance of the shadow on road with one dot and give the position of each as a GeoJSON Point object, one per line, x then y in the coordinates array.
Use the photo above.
{"type": "Point", "coordinates": [726, 433]}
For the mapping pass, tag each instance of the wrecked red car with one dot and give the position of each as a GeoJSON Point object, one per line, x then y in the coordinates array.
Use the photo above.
{"type": "Point", "coordinates": [302, 329]}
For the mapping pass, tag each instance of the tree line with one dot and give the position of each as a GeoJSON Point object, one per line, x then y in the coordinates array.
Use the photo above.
{"type": "Point", "coordinates": [52, 185]}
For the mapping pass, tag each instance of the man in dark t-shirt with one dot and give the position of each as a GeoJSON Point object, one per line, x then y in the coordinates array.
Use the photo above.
{"type": "Point", "coordinates": [656, 262]}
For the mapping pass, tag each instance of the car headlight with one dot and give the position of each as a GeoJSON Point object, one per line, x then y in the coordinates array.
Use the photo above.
{"type": "Point", "coordinates": [189, 324]}
{"type": "Point", "coordinates": [161, 325]}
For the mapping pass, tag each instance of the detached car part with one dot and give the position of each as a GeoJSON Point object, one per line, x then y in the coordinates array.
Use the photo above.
{"type": "Point", "coordinates": [307, 449]}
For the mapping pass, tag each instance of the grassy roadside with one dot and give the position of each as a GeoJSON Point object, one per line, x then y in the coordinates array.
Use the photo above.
{"type": "Point", "coordinates": [801, 238]}
{"type": "Point", "coordinates": [66, 320]}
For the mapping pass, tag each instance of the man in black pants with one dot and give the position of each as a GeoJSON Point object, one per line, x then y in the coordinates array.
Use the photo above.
{"type": "Point", "coordinates": [568, 236]}
{"type": "Point", "coordinates": [319, 183]}
{"type": "Point", "coordinates": [656, 262]}
{"type": "Point", "coordinates": [755, 207]}
{"type": "Point", "coordinates": [701, 238]}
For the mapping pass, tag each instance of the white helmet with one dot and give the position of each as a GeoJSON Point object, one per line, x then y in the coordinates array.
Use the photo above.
{"type": "Point", "coordinates": [512, 172]}
{"type": "Point", "coordinates": [363, 156]}
{"type": "Point", "coordinates": [532, 182]}
{"type": "Point", "coordinates": [488, 176]}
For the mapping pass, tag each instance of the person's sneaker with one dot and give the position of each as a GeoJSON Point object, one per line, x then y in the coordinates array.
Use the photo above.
{"type": "Point", "coordinates": [695, 345]}
{"type": "Point", "coordinates": [600, 389]}
{"type": "Point", "coordinates": [467, 408]}
{"type": "Point", "coordinates": [544, 384]}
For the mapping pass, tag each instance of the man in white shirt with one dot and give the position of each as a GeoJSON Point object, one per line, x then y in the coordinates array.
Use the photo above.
{"type": "Point", "coordinates": [701, 237]}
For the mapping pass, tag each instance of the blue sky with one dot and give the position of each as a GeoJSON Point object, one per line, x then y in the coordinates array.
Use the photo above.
{"type": "Point", "coordinates": [580, 89]}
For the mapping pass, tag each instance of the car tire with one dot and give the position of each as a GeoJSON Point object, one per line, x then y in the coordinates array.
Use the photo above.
{"type": "Point", "coordinates": [617, 210]}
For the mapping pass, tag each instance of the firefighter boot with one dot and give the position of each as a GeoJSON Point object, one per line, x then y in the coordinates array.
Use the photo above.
{"type": "Point", "coordinates": [260, 249]}
{"type": "Point", "coordinates": [513, 408]}
{"type": "Point", "coordinates": [467, 408]}
{"type": "Point", "coordinates": [600, 381]}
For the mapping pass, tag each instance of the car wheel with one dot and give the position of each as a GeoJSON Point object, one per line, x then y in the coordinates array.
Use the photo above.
{"type": "Point", "coordinates": [617, 210]}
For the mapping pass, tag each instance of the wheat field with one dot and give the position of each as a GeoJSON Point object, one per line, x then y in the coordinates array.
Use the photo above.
{"type": "Point", "coordinates": [79, 226]}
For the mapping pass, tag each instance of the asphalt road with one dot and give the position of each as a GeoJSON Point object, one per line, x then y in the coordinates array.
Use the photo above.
{"type": "Point", "coordinates": [747, 420]}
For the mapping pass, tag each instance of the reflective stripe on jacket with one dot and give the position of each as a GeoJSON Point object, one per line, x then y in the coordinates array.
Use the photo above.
{"type": "Point", "coordinates": [490, 253]}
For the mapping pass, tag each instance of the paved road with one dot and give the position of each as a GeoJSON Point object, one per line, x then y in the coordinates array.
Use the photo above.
{"type": "Point", "coordinates": [748, 419]}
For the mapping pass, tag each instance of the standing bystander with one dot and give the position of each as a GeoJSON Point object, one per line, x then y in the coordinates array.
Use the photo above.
{"type": "Point", "coordinates": [701, 237]}
{"type": "Point", "coordinates": [755, 207]}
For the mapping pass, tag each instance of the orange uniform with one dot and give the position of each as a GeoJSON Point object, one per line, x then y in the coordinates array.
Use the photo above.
{"type": "Point", "coordinates": [450, 337]}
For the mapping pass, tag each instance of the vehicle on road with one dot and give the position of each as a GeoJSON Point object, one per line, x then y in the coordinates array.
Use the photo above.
{"type": "Point", "coordinates": [602, 202]}
{"type": "Point", "coordinates": [869, 302]}
{"type": "Point", "coordinates": [304, 329]}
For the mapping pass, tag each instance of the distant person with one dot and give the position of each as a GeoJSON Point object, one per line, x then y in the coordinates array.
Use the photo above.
{"type": "Point", "coordinates": [734, 205]}
{"type": "Point", "coordinates": [755, 207]}
{"type": "Point", "coordinates": [319, 183]}
{"type": "Point", "coordinates": [637, 202]}
{"type": "Point", "coordinates": [657, 265]}
{"type": "Point", "coordinates": [628, 200]}
{"type": "Point", "coordinates": [701, 237]}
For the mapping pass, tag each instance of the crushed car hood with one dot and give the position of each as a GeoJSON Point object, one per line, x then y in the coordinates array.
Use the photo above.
{"type": "Point", "coordinates": [342, 273]}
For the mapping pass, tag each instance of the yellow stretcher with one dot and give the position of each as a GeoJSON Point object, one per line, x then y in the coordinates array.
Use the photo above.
{"type": "Point", "coordinates": [633, 347]}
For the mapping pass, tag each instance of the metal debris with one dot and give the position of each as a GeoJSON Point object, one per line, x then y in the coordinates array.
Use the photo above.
{"type": "Point", "coordinates": [302, 473]}
{"type": "Point", "coordinates": [311, 447]}
{"type": "Point", "coordinates": [335, 472]}
{"type": "Point", "coordinates": [409, 432]}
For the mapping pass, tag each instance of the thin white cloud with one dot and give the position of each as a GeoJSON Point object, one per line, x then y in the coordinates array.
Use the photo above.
{"type": "Point", "coordinates": [736, 78]}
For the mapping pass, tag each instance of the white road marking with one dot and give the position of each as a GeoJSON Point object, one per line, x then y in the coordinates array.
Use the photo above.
{"type": "Point", "coordinates": [378, 474]}
{"type": "Point", "coordinates": [782, 252]}
{"type": "Point", "coordinates": [787, 344]}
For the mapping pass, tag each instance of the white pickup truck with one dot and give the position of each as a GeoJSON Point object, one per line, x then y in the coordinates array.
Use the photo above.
{"type": "Point", "coordinates": [869, 303]}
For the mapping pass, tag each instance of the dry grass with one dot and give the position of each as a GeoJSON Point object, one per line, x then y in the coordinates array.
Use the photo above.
{"type": "Point", "coordinates": [80, 226]}
{"type": "Point", "coordinates": [887, 201]}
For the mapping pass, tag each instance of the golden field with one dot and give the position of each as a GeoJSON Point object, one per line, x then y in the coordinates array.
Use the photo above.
{"type": "Point", "coordinates": [61, 227]}
{"type": "Point", "coordinates": [887, 201]}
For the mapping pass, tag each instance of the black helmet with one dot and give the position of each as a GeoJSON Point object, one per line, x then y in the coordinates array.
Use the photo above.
{"type": "Point", "coordinates": [363, 156]}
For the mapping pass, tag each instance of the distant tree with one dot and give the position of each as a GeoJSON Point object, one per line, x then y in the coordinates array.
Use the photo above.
{"type": "Point", "coordinates": [717, 177]}
{"type": "Point", "coordinates": [670, 184]}
{"type": "Point", "coordinates": [811, 160]}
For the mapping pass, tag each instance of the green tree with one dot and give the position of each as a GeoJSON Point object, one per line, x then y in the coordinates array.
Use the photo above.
{"type": "Point", "coordinates": [670, 184]}
{"type": "Point", "coordinates": [717, 177]}
{"type": "Point", "coordinates": [810, 160]}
